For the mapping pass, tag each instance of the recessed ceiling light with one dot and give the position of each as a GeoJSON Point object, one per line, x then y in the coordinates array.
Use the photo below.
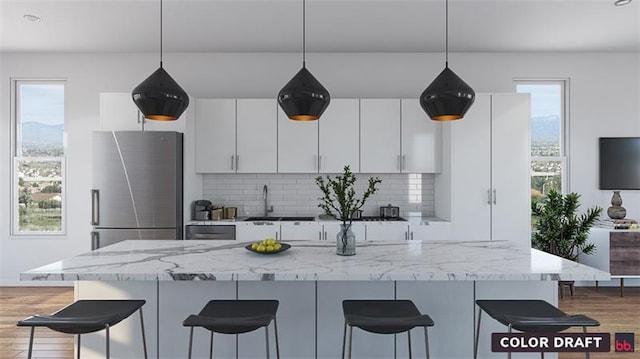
{"type": "Point", "coordinates": [622, 2]}
{"type": "Point", "coordinates": [32, 18]}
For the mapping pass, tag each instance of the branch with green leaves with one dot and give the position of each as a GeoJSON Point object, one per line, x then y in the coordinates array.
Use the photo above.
{"type": "Point", "coordinates": [339, 197]}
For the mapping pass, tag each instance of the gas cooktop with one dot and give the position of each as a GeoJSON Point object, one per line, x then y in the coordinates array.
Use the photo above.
{"type": "Point", "coordinates": [378, 218]}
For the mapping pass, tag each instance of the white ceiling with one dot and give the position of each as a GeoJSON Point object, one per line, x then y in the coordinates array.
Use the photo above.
{"type": "Point", "coordinates": [332, 26]}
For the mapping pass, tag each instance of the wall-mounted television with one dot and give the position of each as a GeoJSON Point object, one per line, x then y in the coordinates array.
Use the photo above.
{"type": "Point", "coordinates": [619, 163]}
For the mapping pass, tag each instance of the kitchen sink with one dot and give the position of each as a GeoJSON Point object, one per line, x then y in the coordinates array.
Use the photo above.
{"type": "Point", "coordinates": [284, 218]}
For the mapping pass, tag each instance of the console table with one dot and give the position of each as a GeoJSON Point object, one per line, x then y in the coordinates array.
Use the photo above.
{"type": "Point", "coordinates": [617, 252]}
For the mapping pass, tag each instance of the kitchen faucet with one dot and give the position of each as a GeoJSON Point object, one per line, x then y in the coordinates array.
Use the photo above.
{"type": "Point", "coordinates": [265, 195]}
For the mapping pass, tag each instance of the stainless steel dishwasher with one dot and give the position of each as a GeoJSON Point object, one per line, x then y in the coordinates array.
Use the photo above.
{"type": "Point", "coordinates": [216, 232]}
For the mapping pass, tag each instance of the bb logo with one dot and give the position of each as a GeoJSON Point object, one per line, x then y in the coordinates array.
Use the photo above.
{"type": "Point", "coordinates": [624, 342]}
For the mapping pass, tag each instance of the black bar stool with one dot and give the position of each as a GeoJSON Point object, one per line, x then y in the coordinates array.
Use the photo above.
{"type": "Point", "coordinates": [87, 316]}
{"type": "Point", "coordinates": [383, 317]}
{"type": "Point", "coordinates": [530, 316]}
{"type": "Point", "coordinates": [235, 317]}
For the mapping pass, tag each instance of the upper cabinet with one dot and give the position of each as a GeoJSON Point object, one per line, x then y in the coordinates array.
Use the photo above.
{"type": "Point", "coordinates": [215, 135]}
{"type": "Point", "coordinates": [118, 112]}
{"type": "Point", "coordinates": [339, 138]}
{"type": "Point", "coordinates": [235, 136]}
{"type": "Point", "coordinates": [369, 135]}
{"type": "Point", "coordinates": [421, 139]}
{"type": "Point", "coordinates": [297, 145]}
{"type": "Point", "coordinates": [380, 136]}
{"type": "Point", "coordinates": [257, 136]}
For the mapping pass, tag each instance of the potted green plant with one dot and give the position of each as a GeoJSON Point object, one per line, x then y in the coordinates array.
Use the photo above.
{"type": "Point", "coordinates": [559, 229]}
{"type": "Point", "coordinates": [339, 201]}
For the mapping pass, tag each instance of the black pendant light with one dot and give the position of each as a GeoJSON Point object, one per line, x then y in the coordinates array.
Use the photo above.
{"type": "Point", "coordinates": [303, 98]}
{"type": "Point", "coordinates": [448, 97]}
{"type": "Point", "coordinates": [159, 97]}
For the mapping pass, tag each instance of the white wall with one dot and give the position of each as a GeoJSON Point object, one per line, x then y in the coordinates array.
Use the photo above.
{"type": "Point", "coordinates": [604, 100]}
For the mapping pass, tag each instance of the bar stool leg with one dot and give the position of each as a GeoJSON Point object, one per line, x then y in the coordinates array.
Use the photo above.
{"type": "Point", "coordinates": [190, 342]}
{"type": "Point", "coordinates": [79, 346]}
{"type": "Point", "coordinates": [344, 338]}
{"type": "Point", "coordinates": [586, 354]}
{"type": "Point", "coordinates": [31, 342]}
{"type": "Point", "coordinates": [211, 346]}
{"type": "Point", "coordinates": [350, 340]}
{"type": "Point", "coordinates": [475, 346]}
{"type": "Point", "coordinates": [266, 338]}
{"type": "Point", "coordinates": [108, 348]}
{"type": "Point", "coordinates": [426, 340]}
{"type": "Point", "coordinates": [144, 339]}
{"type": "Point", "coordinates": [409, 340]}
{"type": "Point", "coordinates": [275, 328]}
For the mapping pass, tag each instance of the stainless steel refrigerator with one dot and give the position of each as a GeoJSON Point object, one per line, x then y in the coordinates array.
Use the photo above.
{"type": "Point", "coordinates": [137, 186]}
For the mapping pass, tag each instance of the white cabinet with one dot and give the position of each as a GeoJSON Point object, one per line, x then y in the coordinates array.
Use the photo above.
{"type": "Point", "coordinates": [387, 231]}
{"type": "Point", "coordinates": [298, 231]}
{"type": "Point", "coordinates": [433, 231]}
{"type": "Point", "coordinates": [339, 136]}
{"type": "Point", "coordinates": [380, 136]}
{"type": "Point", "coordinates": [421, 139]}
{"type": "Point", "coordinates": [297, 145]}
{"type": "Point", "coordinates": [250, 232]}
{"type": "Point", "coordinates": [490, 170]}
{"type": "Point", "coordinates": [330, 231]}
{"type": "Point", "coordinates": [215, 135]}
{"type": "Point", "coordinates": [118, 112]}
{"type": "Point", "coordinates": [256, 146]}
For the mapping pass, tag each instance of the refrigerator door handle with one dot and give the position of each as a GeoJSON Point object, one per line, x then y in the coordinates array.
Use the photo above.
{"type": "Point", "coordinates": [95, 207]}
{"type": "Point", "coordinates": [95, 240]}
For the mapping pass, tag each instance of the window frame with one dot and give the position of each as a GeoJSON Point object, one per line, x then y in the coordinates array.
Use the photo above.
{"type": "Point", "coordinates": [564, 157]}
{"type": "Point", "coordinates": [17, 157]}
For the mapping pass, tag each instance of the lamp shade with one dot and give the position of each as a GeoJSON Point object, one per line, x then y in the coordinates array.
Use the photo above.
{"type": "Point", "coordinates": [447, 98]}
{"type": "Point", "coordinates": [159, 97]}
{"type": "Point", "coordinates": [303, 98]}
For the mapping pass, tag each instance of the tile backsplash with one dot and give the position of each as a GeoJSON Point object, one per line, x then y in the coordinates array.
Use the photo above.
{"type": "Point", "coordinates": [298, 194]}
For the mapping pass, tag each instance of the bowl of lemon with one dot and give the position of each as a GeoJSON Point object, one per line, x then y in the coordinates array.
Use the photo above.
{"type": "Point", "coordinates": [267, 246]}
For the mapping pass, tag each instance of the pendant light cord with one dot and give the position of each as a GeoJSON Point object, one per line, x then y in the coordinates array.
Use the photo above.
{"type": "Point", "coordinates": [304, 34]}
{"type": "Point", "coordinates": [161, 33]}
{"type": "Point", "coordinates": [446, 33]}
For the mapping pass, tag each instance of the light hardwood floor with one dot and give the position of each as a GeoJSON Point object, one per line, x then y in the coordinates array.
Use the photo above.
{"type": "Point", "coordinates": [616, 315]}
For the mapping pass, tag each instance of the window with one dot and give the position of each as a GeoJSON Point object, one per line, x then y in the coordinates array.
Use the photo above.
{"type": "Point", "coordinates": [548, 134]}
{"type": "Point", "coordinates": [38, 157]}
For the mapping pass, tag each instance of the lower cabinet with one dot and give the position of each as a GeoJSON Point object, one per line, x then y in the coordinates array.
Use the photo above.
{"type": "Point", "coordinates": [296, 320]}
{"type": "Point", "coordinates": [299, 231]}
{"type": "Point", "coordinates": [330, 231]}
{"type": "Point", "coordinates": [387, 231]}
{"type": "Point", "coordinates": [250, 232]}
{"type": "Point", "coordinates": [331, 321]}
{"type": "Point", "coordinates": [433, 231]}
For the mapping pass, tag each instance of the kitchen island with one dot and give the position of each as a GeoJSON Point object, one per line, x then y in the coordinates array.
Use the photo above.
{"type": "Point", "coordinates": [178, 277]}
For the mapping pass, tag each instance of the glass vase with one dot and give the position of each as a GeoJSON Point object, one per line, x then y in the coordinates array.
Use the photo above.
{"type": "Point", "coordinates": [345, 241]}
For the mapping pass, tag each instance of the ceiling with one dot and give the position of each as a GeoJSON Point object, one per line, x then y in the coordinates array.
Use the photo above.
{"type": "Point", "coordinates": [332, 26]}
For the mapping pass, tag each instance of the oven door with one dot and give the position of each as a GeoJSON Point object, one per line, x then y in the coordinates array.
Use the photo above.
{"type": "Point", "coordinates": [216, 232]}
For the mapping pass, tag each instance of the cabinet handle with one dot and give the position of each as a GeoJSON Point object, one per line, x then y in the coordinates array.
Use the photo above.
{"type": "Point", "coordinates": [404, 162]}
{"type": "Point", "coordinates": [399, 162]}
{"type": "Point", "coordinates": [325, 235]}
{"type": "Point", "coordinates": [319, 163]}
{"type": "Point", "coordinates": [320, 235]}
{"type": "Point", "coordinates": [277, 237]}
{"type": "Point", "coordinates": [406, 236]}
{"type": "Point", "coordinates": [237, 162]}
{"type": "Point", "coordinates": [494, 196]}
{"type": "Point", "coordinates": [95, 207]}
{"type": "Point", "coordinates": [95, 240]}
{"type": "Point", "coordinates": [411, 235]}
{"type": "Point", "coordinates": [233, 160]}
{"type": "Point", "coordinates": [489, 196]}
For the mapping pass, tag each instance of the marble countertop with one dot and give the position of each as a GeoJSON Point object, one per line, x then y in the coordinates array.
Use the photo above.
{"type": "Point", "coordinates": [168, 260]}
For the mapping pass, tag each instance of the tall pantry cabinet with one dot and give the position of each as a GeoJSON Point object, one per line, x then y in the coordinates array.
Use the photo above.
{"type": "Point", "coordinates": [489, 178]}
